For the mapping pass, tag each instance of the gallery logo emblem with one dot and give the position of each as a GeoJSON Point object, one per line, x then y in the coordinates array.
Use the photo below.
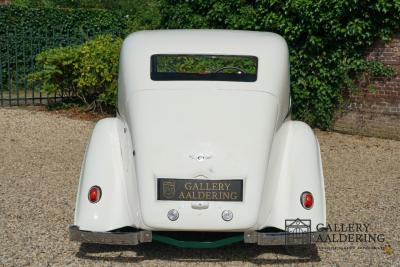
{"type": "Point", "coordinates": [169, 189]}
{"type": "Point", "coordinates": [298, 231]}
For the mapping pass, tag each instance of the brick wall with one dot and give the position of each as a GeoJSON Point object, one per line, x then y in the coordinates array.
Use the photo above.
{"type": "Point", "coordinates": [375, 110]}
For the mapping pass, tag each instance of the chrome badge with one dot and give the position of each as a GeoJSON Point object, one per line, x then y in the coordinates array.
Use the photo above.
{"type": "Point", "coordinates": [200, 157]}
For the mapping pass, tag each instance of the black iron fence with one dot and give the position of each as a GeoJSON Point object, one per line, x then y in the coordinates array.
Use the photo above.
{"type": "Point", "coordinates": [18, 49]}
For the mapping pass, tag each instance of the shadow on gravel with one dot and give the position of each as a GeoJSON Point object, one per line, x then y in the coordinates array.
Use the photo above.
{"type": "Point", "coordinates": [237, 252]}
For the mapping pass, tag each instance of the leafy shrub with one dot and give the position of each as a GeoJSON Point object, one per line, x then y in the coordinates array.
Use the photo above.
{"type": "Point", "coordinates": [327, 40]}
{"type": "Point", "coordinates": [89, 71]}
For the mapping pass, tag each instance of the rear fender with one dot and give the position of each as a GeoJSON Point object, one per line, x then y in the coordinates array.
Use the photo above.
{"type": "Point", "coordinates": [103, 166]}
{"type": "Point", "coordinates": [294, 167]}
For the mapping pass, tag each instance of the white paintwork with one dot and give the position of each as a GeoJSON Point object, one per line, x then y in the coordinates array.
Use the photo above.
{"type": "Point", "coordinates": [294, 167]}
{"type": "Point", "coordinates": [103, 166]}
{"type": "Point", "coordinates": [239, 126]}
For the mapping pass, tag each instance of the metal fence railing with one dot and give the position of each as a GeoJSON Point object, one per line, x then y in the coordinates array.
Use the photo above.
{"type": "Point", "coordinates": [18, 49]}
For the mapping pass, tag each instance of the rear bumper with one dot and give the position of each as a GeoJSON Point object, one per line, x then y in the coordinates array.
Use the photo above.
{"type": "Point", "coordinates": [135, 238]}
{"type": "Point", "coordinates": [121, 238]}
{"type": "Point", "coordinates": [284, 238]}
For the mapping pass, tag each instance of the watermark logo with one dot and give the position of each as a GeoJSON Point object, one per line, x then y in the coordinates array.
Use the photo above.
{"type": "Point", "coordinates": [298, 232]}
{"type": "Point", "coordinates": [335, 236]}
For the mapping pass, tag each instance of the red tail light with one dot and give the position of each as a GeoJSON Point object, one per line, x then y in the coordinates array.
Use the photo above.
{"type": "Point", "coordinates": [94, 194]}
{"type": "Point", "coordinates": [307, 200]}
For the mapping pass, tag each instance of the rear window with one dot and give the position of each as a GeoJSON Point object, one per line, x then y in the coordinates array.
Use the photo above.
{"type": "Point", "coordinates": [203, 67]}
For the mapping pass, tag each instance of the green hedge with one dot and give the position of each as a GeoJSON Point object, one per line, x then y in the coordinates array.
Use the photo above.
{"type": "Point", "coordinates": [69, 50]}
{"type": "Point", "coordinates": [116, 17]}
{"type": "Point", "coordinates": [41, 20]}
{"type": "Point", "coordinates": [25, 32]}
{"type": "Point", "coordinates": [327, 40]}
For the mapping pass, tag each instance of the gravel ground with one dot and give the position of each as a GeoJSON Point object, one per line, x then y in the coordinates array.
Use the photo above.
{"type": "Point", "coordinates": [40, 157]}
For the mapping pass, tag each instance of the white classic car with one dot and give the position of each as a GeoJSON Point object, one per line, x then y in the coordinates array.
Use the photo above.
{"type": "Point", "coordinates": [202, 152]}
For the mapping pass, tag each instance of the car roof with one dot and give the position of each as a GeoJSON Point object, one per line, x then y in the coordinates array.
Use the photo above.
{"type": "Point", "coordinates": [230, 42]}
{"type": "Point", "coordinates": [270, 49]}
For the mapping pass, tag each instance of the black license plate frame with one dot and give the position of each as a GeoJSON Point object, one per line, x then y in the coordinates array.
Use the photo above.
{"type": "Point", "coordinates": [176, 189]}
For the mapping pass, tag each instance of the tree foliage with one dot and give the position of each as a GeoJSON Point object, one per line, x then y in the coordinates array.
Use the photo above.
{"type": "Point", "coordinates": [327, 40]}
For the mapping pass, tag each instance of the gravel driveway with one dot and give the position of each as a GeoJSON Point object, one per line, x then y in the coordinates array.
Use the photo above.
{"type": "Point", "coordinates": [40, 157]}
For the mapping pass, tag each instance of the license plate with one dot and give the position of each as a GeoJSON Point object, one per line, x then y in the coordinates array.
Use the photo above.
{"type": "Point", "coordinates": [199, 190]}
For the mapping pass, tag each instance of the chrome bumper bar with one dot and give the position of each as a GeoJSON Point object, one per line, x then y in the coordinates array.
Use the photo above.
{"type": "Point", "coordinates": [120, 238]}
{"type": "Point", "coordinates": [143, 236]}
{"type": "Point", "coordinates": [283, 238]}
